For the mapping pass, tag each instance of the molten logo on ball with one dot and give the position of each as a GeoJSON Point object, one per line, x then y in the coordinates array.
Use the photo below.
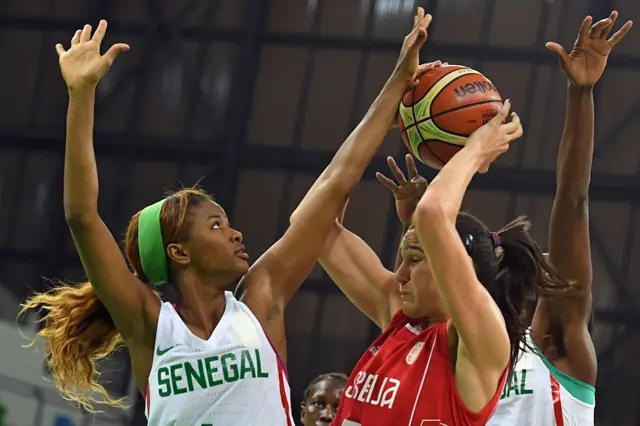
{"type": "Point", "coordinates": [483, 86]}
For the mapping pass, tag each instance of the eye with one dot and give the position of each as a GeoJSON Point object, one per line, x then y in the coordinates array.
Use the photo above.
{"type": "Point", "coordinates": [216, 225]}
{"type": "Point", "coordinates": [317, 404]}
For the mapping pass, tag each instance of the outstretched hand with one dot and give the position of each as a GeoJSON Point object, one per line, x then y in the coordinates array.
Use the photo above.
{"type": "Point", "coordinates": [407, 192]}
{"type": "Point", "coordinates": [82, 65]}
{"type": "Point", "coordinates": [407, 67]}
{"type": "Point", "coordinates": [493, 139]}
{"type": "Point", "coordinates": [587, 60]}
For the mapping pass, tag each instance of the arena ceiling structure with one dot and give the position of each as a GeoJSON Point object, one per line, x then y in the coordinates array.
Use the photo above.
{"type": "Point", "coordinates": [251, 98]}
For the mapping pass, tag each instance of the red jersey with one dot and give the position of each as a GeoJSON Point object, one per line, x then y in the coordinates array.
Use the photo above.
{"type": "Point", "coordinates": [405, 378]}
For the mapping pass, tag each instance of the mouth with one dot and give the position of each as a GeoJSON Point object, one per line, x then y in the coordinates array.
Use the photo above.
{"type": "Point", "coordinates": [241, 253]}
{"type": "Point", "coordinates": [404, 294]}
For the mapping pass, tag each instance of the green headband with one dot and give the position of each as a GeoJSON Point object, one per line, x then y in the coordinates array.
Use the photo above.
{"type": "Point", "coordinates": [150, 245]}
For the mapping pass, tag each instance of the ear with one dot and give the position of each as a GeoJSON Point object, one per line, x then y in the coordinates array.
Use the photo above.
{"type": "Point", "coordinates": [302, 413]}
{"type": "Point", "coordinates": [178, 254]}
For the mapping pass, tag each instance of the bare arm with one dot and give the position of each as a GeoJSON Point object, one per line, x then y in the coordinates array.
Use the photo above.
{"type": "Point", "coordinates": [277, 274]}
{"type": "Point", "coordinates": [484, 347]}
{"type": "Point", "coordinates": [133, 307]}
{"type": "Point", "coordinates": [569, 244]}
{"type": "Point", "coordinates": [359, 273]}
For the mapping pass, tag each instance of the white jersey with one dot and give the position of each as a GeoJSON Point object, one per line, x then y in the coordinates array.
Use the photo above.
{"type": "Point", "coordinates": [541, 395]}
{"type": "Point", "coordinates": [233, 378]}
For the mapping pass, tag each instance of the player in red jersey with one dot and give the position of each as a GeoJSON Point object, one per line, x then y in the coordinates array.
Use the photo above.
{"type": "Point", "coordinates": [452, 313]}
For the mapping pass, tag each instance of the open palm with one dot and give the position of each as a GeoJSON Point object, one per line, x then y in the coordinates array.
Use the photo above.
{"type": "Point", "coordinates": [82, 64]}
{"type": "Point", "coordinates": [587, 60]}
{"type": "Point", "coordinates": [407, 190]}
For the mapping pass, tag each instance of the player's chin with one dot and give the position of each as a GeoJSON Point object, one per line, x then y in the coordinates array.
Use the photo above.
{"type": "Point", "coordinates": [410, 309]}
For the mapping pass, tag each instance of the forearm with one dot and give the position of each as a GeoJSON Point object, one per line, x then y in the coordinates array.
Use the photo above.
{"type": "Point", "coordinates": [80, 172]}
{"type": "Point", "coordinates": [447, 190]}
{"type": "Point", "coordinates": [576, 149]}
{"type": "Point", "coordinates": [355, 154]}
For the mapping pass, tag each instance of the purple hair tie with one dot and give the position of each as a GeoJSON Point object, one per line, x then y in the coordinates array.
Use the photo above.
{"type": "Point", "coordinates": [497, 242]}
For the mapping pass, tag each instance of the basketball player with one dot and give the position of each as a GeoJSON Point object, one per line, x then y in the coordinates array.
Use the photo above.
{"type": "Point", "coordinates": [321, 399]}
{"type": "Point", "coordinates": [554, 384]}
{"type": "Point", "coordinates": [207, 360]}
{"type": "Point", "coordinates": [451, 314]}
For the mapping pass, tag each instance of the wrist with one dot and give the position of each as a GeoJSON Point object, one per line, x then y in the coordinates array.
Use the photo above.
{"type": "Point", "coordinates": [578, 89]}
{"type": "Point", "coordinates": [475, 154]}
{"type": "Point", "coordinates": [81, 90]}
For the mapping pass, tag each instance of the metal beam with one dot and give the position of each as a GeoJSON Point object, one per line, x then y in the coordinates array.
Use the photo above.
{"type": "Point", "coordinates": [444, 50]}
{"type": "Point", "coordinates": [604, 186]}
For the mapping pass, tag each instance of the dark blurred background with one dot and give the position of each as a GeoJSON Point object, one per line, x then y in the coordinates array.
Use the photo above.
{"type": "Point", "coordinates": [251, 98]}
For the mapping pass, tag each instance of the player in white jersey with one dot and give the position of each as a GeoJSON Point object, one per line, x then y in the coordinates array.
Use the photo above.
{"type": "Point", "coordinates": [553, 383]}
{"type": "Point", "coordinates": [208, 360]}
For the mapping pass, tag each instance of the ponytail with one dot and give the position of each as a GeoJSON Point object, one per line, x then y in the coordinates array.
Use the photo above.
{"type": "Point", "coordinates": [77, 331]}
{"type": "Point", "coordinates": [523, 274]}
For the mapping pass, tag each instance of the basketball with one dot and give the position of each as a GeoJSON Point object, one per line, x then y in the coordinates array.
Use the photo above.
{"type": "Point", "coordinates": [440, 113]}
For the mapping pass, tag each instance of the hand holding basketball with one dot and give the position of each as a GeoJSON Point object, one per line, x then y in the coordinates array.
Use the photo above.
{"type": "Point", "coordinates": [587, 60]}
{"type": "Point", "coordinates": [82, 65]}
{"type": "Point", "coordinates": [493, 139]}
{"type": "Point", "coordinates": [407, 67]}
{"type": "Point", "coordinates": [406, 192]}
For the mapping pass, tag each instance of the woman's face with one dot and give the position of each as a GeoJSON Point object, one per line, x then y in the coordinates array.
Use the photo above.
{"type": "Point", "coordinates": [321, 405]}
{"type": "Point", "coordinates": [418, 292]}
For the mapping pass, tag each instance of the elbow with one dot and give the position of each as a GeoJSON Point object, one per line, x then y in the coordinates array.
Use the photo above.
{"type": "Point", "coordinates": [572, 198]}
{"type": "Point", "coordinates": [77, 216]}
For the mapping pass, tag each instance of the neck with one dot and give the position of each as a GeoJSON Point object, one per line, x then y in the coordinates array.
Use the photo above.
{"type": "Point", "coordinates": [202, 303]}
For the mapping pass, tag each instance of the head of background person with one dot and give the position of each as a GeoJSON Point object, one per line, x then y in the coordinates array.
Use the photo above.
{"type": "Point", "coordinates": [321, 398]}
{"type": "Point", "coordinates": [509, 264]}
{"type": "Point", "coordinates": [186, 241]}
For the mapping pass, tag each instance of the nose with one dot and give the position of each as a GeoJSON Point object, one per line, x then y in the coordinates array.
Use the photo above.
{"type": "Point", "coordinates": [328, 413]}
{"type": "Point", "coordinates": [236, 236]}
{"type": "Point", "coordinates": [402, 274]}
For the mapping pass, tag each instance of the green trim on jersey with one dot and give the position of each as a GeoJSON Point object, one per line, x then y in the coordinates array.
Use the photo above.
{"type": "Point", "coordinates": [580, 390]}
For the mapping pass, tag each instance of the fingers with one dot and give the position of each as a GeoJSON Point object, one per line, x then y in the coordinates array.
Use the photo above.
{"type": "Point", "coordinates": [583, 33]}
{"type": "Point", "coordinates": [98, 35]}
{"type": "Point", "coordinates": [423, 26]}
{"type": "Point", "coordinates": [76, 37]}
{"type": "Point", "coordinates": [559, 51]}
{"type": "Point", "coordinates": [412, 171]}
{"type": "Point", "coordinates": [387, 182]}
{"type": "Point", "coordinates": [597, 29]}
{"type": "Point", "coordinates": [59, 49]}
{"type": "Point", "coordinates": [613, 17]}
{"type": "Point", "coordinates": [619, 35]}
{"type": "Point", "coordinates": [502, 115]}
{"type": "Point", "coordinates": [513, 127]}
{"type": "Point", "coordinates": [86, 33]}
{"type": "Point", "coordinates": [417, 18]}
{"type": "Point", "coordinates": [397, 172]}
{"type": "Point", "coordinates": [115, 50]}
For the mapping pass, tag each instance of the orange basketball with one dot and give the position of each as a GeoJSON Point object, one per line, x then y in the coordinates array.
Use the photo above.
{"type": "Point", "coordinates": [440, 113]}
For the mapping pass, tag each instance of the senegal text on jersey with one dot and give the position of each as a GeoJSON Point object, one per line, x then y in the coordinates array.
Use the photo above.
{"type": "Point", "coordinates": [171, 379]}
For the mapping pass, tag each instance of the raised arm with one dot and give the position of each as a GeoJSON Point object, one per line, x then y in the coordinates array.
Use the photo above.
{"type": "Point", "coordinates": [274, 278]}
{"type": "Point", "coordinates": [355, 267]}
{"type": "Point", "coordinates": [132, 306]}
{"type": "Point", "coordinates": [569, 245]}
{"type": "Point", "coordinates": [478, 322]}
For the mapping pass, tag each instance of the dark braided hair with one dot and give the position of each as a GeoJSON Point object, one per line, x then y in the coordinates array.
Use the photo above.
{"type": "Point", "coordinates": [339, 377]}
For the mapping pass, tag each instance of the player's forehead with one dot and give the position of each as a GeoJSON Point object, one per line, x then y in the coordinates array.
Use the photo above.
{"type": "Point", "coordinates": [410, 241]}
